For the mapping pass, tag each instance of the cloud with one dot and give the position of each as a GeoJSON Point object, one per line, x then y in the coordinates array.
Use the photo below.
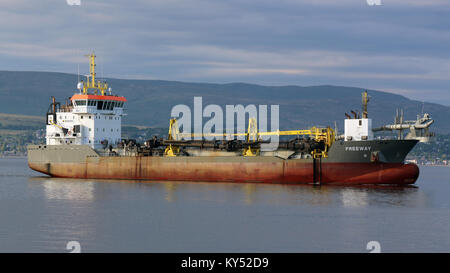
{"type": "Point", "coordinates": [34, 51]}
{"type": "Point", "coordinates": [397, 46]}
{"type": "Point", "coordinates": [227, 62]}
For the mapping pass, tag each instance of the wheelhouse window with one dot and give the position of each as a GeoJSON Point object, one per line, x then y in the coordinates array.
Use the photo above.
{"type": "Point", "coordinates": [100, 105]}
{"type": "Point", "coordinates": [106, 105]}
{"type": "Point", "coordinates": [80, 102]}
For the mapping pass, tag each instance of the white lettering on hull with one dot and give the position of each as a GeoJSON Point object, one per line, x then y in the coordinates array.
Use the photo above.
{"type": "Point", "coordinates": [358, 148]}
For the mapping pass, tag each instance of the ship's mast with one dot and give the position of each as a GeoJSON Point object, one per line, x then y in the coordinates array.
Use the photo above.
{"type": "Point", "coordinates": [365, 101]}
{"type": "Point", "coordinates": [92, 68]}
{"type": "Point", "coordinates": [91, 81]}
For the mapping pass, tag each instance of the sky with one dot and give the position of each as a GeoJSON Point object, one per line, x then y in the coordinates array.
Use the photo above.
{"type": "Point", "coordinates": [400, 46]}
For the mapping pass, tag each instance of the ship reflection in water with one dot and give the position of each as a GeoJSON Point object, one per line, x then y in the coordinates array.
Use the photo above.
{"type": "Point", "coordinates": [242, 193]}
{"type": "Point", "coordinates": [68, 190]}
{"type": "Point", "coordinates": [251, 194]}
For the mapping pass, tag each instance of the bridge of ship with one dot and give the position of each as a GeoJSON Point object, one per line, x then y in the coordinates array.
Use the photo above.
{"type": "Point", "coordinates": [98, 102]}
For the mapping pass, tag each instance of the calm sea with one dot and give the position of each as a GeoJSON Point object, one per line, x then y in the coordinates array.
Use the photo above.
{"type": "Point", "coordinates": [42, 214]}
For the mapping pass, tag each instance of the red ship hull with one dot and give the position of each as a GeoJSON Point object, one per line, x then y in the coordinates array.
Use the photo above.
{"type": "Point", "coordinates": [222, 169]}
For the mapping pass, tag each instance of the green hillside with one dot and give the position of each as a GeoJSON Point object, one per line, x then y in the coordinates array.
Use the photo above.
{"type": "Point", "coordinates": [21, 122]}
{"type": "Point", "coordinates": [150, 101]}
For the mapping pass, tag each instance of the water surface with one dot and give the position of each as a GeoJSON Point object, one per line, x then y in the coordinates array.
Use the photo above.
{"type": "Point", "coordinates": [42, 214]}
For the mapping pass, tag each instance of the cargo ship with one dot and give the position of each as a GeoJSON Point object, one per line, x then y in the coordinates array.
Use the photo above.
{"type": "Point", "coordinates": [83, 140]}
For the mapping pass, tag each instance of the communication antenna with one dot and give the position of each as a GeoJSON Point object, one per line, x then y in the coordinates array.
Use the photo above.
{"type": "Point", "coordinates": [80, 84]}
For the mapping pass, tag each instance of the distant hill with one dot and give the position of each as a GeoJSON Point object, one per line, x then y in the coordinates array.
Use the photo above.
{"type": "Point", "coordinates": [21, 122]}
{"type": "Point", "coordinates": [150, 101]}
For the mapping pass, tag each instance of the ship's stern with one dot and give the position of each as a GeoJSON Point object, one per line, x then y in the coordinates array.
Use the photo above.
{"type": "Point", "coordinates": [60, 160]}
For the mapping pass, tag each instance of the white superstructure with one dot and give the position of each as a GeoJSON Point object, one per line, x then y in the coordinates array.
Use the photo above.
{"type": "Point", "coordinates": [90, 117]}
{"type": "Point", "coordinates": [358, 128]}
